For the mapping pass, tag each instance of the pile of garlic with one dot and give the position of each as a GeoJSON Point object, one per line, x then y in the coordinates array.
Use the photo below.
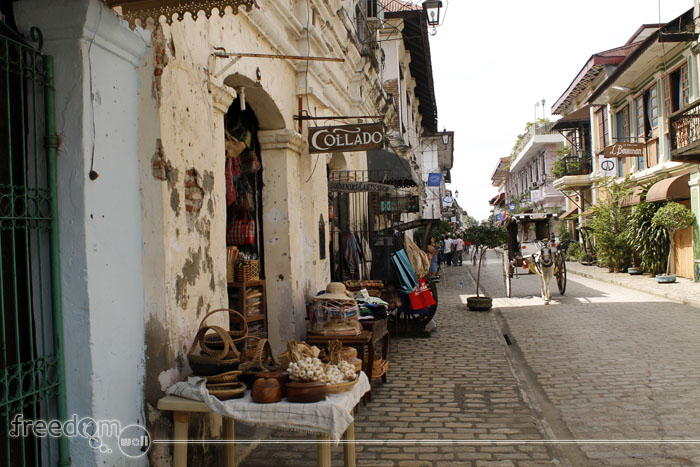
{"type": "Point", "coordinates": [308, 369]}
{"type": "Point", "coordinates": [311, 369]}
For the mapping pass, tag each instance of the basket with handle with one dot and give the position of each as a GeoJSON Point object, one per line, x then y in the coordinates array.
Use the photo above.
{"type": "Point", "coordinates": [236, 321]}
{"type": "Point", "coordinates": [211, 360]}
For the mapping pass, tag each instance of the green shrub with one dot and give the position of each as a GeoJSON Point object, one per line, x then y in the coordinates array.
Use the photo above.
{"type": "Point", "coordinates": [649, 242]}
{"type": "Point", "coordinates": [673, 217]}
{"type": "Point", "coordinates": [609, 225]}
{"type": "Point", "coordinates": [574, 252]}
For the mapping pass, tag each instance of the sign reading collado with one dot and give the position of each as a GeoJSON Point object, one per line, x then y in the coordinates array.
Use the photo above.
{"type": "Point", "coordinates": [360, 137]}
{"type": "Point", "coordinates": [625, 150]}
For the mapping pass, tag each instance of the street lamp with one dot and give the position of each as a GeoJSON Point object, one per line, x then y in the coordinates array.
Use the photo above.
{"type": "Point", "coordinates": [432, 10]}
{"type": "Point", "coordinates": [445, 137]}
{"type": "Point", "coordinates": [456, 194]}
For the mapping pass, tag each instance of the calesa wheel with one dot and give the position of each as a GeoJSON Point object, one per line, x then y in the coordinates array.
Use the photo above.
{"type": "Point", "coordinates": [507, 274]}
{"type": "Point", "coordinates": [561, 274]}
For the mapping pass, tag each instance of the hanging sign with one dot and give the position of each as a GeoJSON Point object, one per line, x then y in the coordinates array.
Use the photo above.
{"type": "Point", "coordinates": [361, 137]}
{"type": "Point", "coordinates": [399, 204]}
{"type": "Point", "coordinates": [511, 207]}
{"type": "Point", "coordinates": [535, 195]}
{"type": "Point", "coordinates": [358, 187]}
{"type": "Point", "coordinates": [625, 150]}
{"type": "Point", "coordinates": [434, 179]}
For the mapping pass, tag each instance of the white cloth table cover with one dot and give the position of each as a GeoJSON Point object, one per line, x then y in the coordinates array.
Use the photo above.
{"type": "Point", "coordinates": [331, 416]}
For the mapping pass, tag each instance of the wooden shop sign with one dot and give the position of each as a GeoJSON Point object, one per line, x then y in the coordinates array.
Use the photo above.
{"type": "Point", "coordinates": [625, 150]}
{"type": "Point", "coordinates": [358, 187]}
{"type": "Point", "coordinates": [361, 137]}
{"type": "Point", "coordinates": [409, 203]}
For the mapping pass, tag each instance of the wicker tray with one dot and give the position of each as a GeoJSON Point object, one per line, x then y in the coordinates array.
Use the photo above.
{"type": "Point", "coordinates": [342, 387]}
{"type": "Point", "coordinates": [227, 390]}
{"type": "Point", "coordinates": [228, 377]}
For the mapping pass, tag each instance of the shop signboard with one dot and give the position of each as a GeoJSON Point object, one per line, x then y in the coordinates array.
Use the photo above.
{"type": "Point", "coordinates": [399, 204]}
{"type": "Point", "coordinates": [511, 207]}
{"type": "Point", "coordinates": [358, 187]}
{"type": "Point", "coordinates": [360, 137]}
{"type": "Point", "coordinates": [623, 149]}
{"type": "Point", "coordinates": [535, 195]}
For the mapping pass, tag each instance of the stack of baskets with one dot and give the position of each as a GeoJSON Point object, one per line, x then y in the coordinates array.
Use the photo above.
{"type": "Point", "coordinates": [226, 385]}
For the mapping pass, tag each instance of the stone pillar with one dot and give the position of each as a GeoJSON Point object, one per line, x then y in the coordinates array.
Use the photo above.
{"type": "Point", "coordinates": [283, 235]}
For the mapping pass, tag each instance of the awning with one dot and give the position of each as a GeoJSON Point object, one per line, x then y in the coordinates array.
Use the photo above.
{"type": "Point", "coordinates": [674, 188]}
{"type": "Point", "coordinates": [633, 198]}
{"type": "Point", "coordinates": [574, 119]}
{"type": "Point", "coordinates": [570, 213]}
{"type": "Point", "coordinates": [390, 168]}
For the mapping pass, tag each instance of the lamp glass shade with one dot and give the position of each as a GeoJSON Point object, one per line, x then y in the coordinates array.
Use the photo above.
{"type": "Point", "coordinates": [445, 138]}
{"type": "Point", "coordinates": [432, 10]}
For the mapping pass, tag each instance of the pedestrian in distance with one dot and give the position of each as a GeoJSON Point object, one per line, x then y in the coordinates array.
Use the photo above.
{"type": "Point", "coordinates": [449, 250]}
{"type": "Point", "coordinates": [459, 248]}
{"type": "Point", "coordinates": [433, 255]}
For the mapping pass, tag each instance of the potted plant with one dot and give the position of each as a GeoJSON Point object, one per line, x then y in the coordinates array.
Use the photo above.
{"type": "Point", "coordinates": [672, 217]}
{"type": "Point", "coordinates": [486, 236]}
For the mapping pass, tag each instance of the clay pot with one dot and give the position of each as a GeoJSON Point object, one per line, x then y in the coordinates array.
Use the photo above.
{"type": "Point", "coordinates": [281, 376]}
{"type": "Point", "coordinates": [479, 303]}
{"type": "Point", "coordinates": [266, 391]}
{"type": "Point", "coordinates": [298, 391]}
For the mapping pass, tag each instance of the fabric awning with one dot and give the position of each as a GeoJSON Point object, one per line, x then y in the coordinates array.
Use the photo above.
{"type": "Point", "coordinates": [390, 168]}
{"type": "Point", "coordinates": [633, 198]}
{"type": "Point", "coordinates": [571, 212]}
{"type": "Point", "coordinates": [673, 188]}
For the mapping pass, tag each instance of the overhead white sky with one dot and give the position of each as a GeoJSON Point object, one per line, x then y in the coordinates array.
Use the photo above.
{"type": "Point", "coordinates": [493, 60]}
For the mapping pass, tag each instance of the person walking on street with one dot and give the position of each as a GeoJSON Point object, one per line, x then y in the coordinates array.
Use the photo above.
{"type": "Point", "coordinates": [433, 255]}
{"type": "Point", "coordinates": [459, 248]}
{"type": "Point", "coordinates": [449, 247]}
{"type": "Point", "coordinates": [441, 251]}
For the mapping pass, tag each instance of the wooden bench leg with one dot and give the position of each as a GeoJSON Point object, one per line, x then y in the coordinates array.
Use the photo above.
{"type": "Point", "coordinates": [230, 446]}
{"type": "Point", "coordinates": [182, 420]}
{"type": "Point", "coordinates": [324, 451]}
{"type": "Point", "coordinates": [349, 446]}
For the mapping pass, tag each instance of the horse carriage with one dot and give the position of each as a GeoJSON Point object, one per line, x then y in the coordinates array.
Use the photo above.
{"type": "Point", "coordinates": [532, 245]}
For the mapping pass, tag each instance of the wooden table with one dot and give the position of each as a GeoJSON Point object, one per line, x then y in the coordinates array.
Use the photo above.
{"type": "Point", "coordinates": [182, 408]}
{"type": "Point", "coordinates": [373, 332]}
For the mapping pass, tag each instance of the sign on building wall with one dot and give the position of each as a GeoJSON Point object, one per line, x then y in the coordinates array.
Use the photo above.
{"type": "Point", "coordinates": [608, 166]}
{"type": "Point", "coordinates": [399, 204]}
{"type": "Point", "coordinates": [625, 150]}
{"type": "Point", "coordinates": [358, 187]}
{"type": "Point", "coordinates": [535, 195]}
{"type": "Point", "coordinates": [346, 138]}
{"type": "Point", "coordinates": [434, 179]}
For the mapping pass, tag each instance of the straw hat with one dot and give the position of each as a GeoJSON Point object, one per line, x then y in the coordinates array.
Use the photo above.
{"type": "Point", "coordinates": [335, 291]}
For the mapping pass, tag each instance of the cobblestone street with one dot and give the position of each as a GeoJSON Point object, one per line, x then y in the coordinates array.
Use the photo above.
{"type": "Point", "coordinates": [601, 363]}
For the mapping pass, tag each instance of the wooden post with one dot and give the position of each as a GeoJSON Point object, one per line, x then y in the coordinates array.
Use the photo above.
{"type": "Point", "coordinates": [324, 451]}
{"type": "Point", "coordinates": [230, 446]}
{"type": "Point", "coordinates": [182, 420]}
{"type": "Point", "coordinates": [349, 448]}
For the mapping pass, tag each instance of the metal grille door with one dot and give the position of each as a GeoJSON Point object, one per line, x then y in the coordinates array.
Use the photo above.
{"type": "Point", "coordinates": [31, 357]}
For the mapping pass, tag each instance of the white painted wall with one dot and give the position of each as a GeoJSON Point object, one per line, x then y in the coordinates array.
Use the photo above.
{"type": "Point", "coordinates": [100, 220]}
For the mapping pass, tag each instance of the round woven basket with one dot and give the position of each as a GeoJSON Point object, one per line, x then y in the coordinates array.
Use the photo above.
{"type": "Point", "coordinates": [342, 387]}
{"type": "Point", "coordinates": [226, 391]}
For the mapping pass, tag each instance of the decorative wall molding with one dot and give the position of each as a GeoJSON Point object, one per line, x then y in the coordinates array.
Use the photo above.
{"type": "Point", "coordinates": [141, 10]}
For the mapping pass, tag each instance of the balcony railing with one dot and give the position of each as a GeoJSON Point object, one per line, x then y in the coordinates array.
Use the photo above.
{"type": "Point", "coordinates": [544, 128]}
{"type": "Point", "coordinates": [685, 133]}
{"type": "Point", "coordinates": [575, 164]}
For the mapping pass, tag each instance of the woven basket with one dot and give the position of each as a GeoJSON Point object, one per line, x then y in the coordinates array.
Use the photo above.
{"type": "Point", "coordinates": [342, 387]}
{"type": "Point", "coordinates": [238, 329]}
{"type": "Point", "coordinates": [227, 390]}
{"type": "Point", "coordinates": [228, 377]}
{"type": "Point", "coordinates": [248, 271]}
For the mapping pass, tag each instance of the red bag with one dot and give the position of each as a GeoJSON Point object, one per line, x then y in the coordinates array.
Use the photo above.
{"type": "Point", "coordinates": [241, 231]}
{"type": "Point", "coordinates": [421, 297]}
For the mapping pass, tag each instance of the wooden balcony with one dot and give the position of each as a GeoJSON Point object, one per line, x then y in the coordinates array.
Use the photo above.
{"type": "Point", "coordinates": [685, 134]}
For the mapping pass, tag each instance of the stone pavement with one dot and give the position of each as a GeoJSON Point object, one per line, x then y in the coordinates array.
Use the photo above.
{"type": "Point", "coordinates": [683, 290]}
{"type": "Point", "coordinates": [607, 363]}
{"type": "Point", "coordinates": [455, 385]}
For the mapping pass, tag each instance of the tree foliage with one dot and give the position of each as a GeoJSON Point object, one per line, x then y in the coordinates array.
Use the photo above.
{"type": "Point", "coordinates": [609, 224]}
{"type": "Point", "coordinates": [672, 217]}
{"type": "Point", "coordinates": [649, 242]}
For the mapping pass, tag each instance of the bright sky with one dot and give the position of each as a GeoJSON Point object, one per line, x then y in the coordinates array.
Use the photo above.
{"type": "Point", "coordinates": [492, 61]}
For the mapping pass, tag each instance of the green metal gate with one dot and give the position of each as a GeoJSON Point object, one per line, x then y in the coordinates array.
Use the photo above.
{"type": "Point", "coordinates": [32, 375]}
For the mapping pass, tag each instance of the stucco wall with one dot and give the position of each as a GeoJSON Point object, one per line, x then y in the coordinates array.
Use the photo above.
{"type": "Point", "coordinates": [99, 220]}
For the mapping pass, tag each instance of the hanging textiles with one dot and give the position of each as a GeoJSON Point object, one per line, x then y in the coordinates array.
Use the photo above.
{"type": "Point", "coordinates": [352, 254]}
{"type": "Point", "coordinates": [404, 271]}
